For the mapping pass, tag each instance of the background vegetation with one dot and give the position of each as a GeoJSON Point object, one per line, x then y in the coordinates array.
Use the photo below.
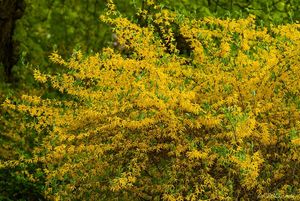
{"type": "Point", "coordinates": [67, 26]}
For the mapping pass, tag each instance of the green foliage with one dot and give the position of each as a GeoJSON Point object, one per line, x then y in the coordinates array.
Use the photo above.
{"type": "Point", "coordinates": [16, 186]}
{"type": "Point", "coordinates": [50, 25]}
{"type": "Point", "coordinates": [269, 11]}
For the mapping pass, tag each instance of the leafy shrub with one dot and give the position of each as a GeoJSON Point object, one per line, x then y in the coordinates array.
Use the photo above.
{"type": "Point", "coordinates": [150, 121]}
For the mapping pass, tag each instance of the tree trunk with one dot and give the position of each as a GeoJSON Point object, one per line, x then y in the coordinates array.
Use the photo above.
{"type": "Point", "coordinates": [10, 11]}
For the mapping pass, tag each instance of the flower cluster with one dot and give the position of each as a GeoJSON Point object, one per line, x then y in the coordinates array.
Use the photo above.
{"type": "Point", "coordinates": [221, 121]}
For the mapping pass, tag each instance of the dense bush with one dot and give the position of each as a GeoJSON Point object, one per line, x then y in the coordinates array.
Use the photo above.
{"type": "Point", "coordinates": [154, 120]}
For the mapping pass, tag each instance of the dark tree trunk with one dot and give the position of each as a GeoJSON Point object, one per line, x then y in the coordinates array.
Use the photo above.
{"type": "Point", "coordinates": [10, 11]}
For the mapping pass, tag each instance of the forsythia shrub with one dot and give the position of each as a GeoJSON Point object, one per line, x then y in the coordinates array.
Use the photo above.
{"type": "Point", "coordinates": [148, 122]}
